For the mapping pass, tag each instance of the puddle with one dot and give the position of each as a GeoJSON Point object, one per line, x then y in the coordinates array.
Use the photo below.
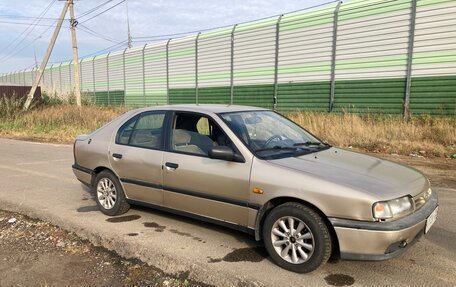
{"type": "Point", "coordinates": [339, 280]}
{"type": "Point", "coordinates": [186, 235]}
{"type": "Point", "coordinates": [250, 254]}
{"type": "Point", "coordinates": [87, 209]}
{"type": "Point", "coordinates": [158, 227]}
{"type": "Point", "coordinates": [132, 234]}
{"type": "Point", "coordinates": [123, 218]}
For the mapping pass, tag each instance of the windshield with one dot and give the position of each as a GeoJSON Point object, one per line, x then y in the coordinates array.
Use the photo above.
{"type": "Point", "coordinates": [270, 135]}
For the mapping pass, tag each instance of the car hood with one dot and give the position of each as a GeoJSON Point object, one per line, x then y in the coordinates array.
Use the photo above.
{"type": "Point", "coordinates": [381, 178]}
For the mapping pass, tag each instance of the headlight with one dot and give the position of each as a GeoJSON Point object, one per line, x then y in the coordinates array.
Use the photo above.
{"type": "Point", "coordinates": [392, 208]}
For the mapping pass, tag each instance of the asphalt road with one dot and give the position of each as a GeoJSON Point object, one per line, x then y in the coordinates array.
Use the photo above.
{"type": "Point", "coordinates": [36, 179]}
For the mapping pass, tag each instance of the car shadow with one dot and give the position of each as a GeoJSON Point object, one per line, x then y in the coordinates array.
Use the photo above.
{"type": "Point", "coordinates": [254, 252]}
{"type": "Point", "coordinates": [238, 235]}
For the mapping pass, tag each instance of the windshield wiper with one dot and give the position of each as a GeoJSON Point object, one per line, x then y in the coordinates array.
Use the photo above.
{"type": "Point", "coordinates": [277, 148]}
{"type": "Point", "coordinates": [308, 143]}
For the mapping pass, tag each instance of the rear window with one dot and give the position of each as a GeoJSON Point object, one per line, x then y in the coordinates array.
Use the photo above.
{"type": "Point", "coordinates": [144, 130]}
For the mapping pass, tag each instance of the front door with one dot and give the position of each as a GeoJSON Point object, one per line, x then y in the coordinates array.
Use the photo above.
{"type": "Point", "coordinates": [193, 182]}
{"type": "Point", "coordinates": [137, 154]}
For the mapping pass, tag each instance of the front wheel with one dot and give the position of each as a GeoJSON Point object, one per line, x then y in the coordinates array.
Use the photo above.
{"type": "Point", "coordinates": [109, 194]}
{"type": "Point", "coordinates": [296, 238]}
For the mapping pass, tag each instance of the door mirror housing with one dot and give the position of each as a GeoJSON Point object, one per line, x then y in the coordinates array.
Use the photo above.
{"type": "Point", "coordinates": [224, 153]}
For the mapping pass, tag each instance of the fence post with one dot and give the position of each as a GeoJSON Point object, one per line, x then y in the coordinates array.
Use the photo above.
{"type": "Point", "coordinates": [24, 76]}
{"type": "Point", "coordinates": [167, 71]}
{"type": "Point", "coordinates": [276, 64]}
{"type": "Point", "coordinates": [196, 69]}
{"type": "Point", "coordinates": [80, 77]}
{"type": "Point", "coordinates": [408, 82]}
{"type": "Point", "coordinates": [69, 76]}
{"type": "Point", "coordinates": [52, 78]}
{"type": "Point", "coordinates": [124, 78]}
{"type": "Point", "coordinates": [333, 58]}
{"type": "Point", "coordinates": [144, 75]}
{"type": "Point", "coordinates": [93, 81]}
{"type": "Point", "coordinates": [107, 78]}
{"type": "Point", "coordinates": [232, 66]}
{"type": "Point", "coordinates": [60, 78]}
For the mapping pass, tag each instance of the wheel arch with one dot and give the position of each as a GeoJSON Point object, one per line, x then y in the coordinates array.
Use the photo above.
{"type": "Point", "coordinates": [272, 203]}
{"type": "Point", "coordinates": [97, 170]}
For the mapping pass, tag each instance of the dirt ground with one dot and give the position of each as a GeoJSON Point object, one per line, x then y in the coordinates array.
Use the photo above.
{"type": "Point", "coordinates": [36, 253]}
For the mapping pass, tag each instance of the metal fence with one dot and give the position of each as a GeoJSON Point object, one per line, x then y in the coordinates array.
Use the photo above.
{"type": "Point", "coordinates": [380, 56]}
{"type": "Point", "coordinates": [20, 92]}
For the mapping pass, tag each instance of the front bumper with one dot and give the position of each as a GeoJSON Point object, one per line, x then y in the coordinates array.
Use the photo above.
{"type": "Point", "coordinates": [364, 240]}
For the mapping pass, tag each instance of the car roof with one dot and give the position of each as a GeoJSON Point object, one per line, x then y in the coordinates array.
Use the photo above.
{"type": "Point", "coordinates": [205, 108]}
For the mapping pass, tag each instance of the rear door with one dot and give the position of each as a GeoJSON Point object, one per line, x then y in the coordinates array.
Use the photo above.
{"type": "Point", "coordinates": [136, 156]}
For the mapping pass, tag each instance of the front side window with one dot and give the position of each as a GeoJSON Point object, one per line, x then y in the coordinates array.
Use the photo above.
{"type": "Point", "coordinates": [196, 134]}
{"type": "Point", "coordinates": [144, 130]}
{"type": "Point", "coordinates": [270, 135]}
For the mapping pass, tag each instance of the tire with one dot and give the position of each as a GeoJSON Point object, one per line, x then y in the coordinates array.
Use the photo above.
{"type": "Point", "coordinates": [309, 237]}
{"type": "Point", "coordinates": [109, 194]}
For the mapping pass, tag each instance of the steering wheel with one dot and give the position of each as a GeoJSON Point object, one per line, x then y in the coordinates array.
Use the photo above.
{"type": "Point", "coordinates": [269, 140]}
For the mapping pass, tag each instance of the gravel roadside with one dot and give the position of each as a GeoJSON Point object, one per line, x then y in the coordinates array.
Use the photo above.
{"type": "Point", "coordinates": [36, 253]}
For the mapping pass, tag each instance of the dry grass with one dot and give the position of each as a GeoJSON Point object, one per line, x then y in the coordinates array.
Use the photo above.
{"type": "Point", "coordinates": [424, 135]}
{"type": "Point", "coordinates": [53, 123]}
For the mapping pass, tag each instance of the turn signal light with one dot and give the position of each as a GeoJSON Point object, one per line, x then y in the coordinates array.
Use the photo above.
{"type": "Point", "coordinates": [257, 190]}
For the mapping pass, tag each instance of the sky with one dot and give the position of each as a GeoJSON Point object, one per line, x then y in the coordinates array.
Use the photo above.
{"type": "Point", "coordinates": [147, 18]}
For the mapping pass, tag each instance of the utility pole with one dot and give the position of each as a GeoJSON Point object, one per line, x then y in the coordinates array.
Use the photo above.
{"type": "Point", "coordinates": [128, 26]}
{"type": "Point", "coordinates": [46, 57]}
{"type": "Point", "coordinates": [74, 23]}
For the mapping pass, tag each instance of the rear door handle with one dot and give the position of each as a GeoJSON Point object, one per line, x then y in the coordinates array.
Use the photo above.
{"type": "Point", "coordinates": [171, 165]}
{"type": "Point", "coordinates": [117, 155]}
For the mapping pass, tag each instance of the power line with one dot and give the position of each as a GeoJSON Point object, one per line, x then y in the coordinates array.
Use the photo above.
{"type": "Point", "coordinates": [108, 49]}
{"type": "Point", "coordinates": [106, 10]}
{"type": "Point", "coordinates": [23, 32]}
{"type": "Point", "coordinates": [30, 28]}
{"type": "Point", "coordinates": [26, 17]}
{"type": "Point", "coordinates": [29, 23]}
{"type": "Point", "coordinates": [22, 49]}
{"type": "Point", "coordinates": [96, 34]}
{"type": "Point", "coordinates": [94, 9]}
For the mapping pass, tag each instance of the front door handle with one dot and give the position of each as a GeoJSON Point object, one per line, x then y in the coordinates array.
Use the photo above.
{"type": "Point", "coordinates": [117, 155]}
{"type": "Point", "coordinates": [171, 165]}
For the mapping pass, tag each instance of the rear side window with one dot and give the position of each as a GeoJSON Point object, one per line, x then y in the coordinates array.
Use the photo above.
{"type": "Point", "coordinates": [144, 130]}
{"type": "Point", "coordinates": [124, 133]}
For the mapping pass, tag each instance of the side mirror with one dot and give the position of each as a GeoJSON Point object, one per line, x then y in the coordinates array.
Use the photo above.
{"type": "Point", "coordinates": [224, 153]}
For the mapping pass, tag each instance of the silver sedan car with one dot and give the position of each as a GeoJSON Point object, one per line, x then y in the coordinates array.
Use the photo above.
{"type": "Point", "coordinates": [256, 171]}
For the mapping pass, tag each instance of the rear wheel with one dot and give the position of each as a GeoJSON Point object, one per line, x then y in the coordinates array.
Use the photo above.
{"type": "Point", "coordinates": [109, 194]}
{"type": "Point", "coordinates": [296, 238]}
